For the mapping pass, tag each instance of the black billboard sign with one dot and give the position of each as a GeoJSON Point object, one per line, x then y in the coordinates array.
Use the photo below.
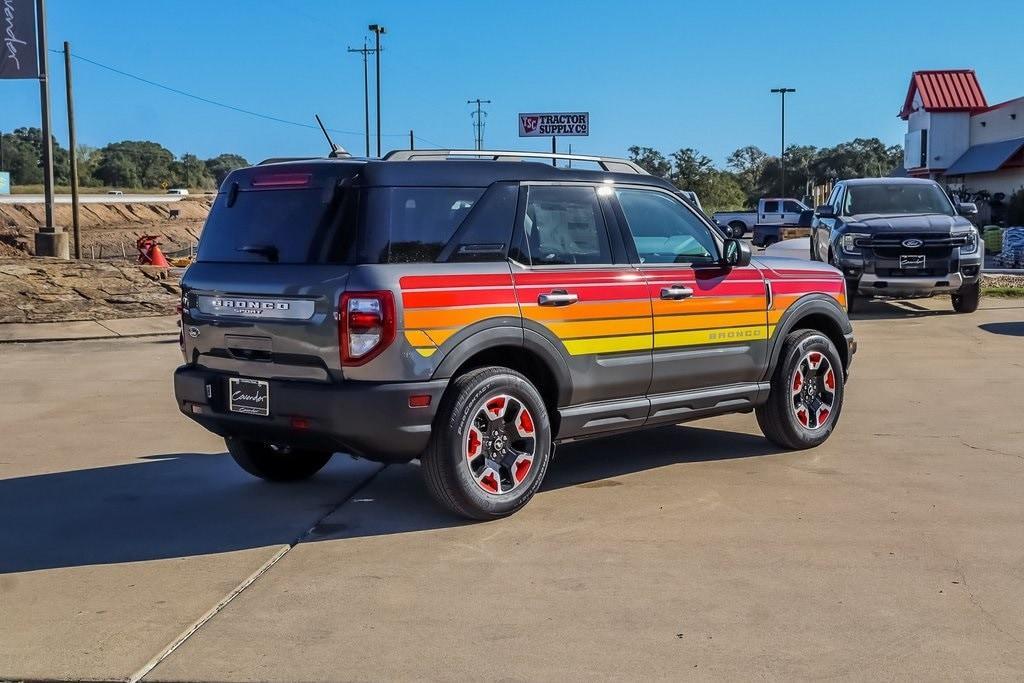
{"type": "Point", "coordinates": [19, 51]}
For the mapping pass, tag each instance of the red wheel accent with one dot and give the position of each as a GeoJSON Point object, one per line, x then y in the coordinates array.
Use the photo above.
{"type": "Point", "coordinates": [525, 423]}
{"type": "Point", "coordinates": [489, 483]}
{"type": "Point", "coordinates": [496, 406]}
{"type": "Point", "coordinates": [801, 414]}
{"type": "Point", "coordinates": [798, 380]}
{"type": "Point", "coordinates": [474, 443]}
{"type": "Point", "coordinates": [522, 469]}
{"type": "Point", "coordinates": [830, 380]}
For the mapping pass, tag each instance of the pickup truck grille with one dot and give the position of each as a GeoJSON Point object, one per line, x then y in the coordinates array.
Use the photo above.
{"type": "Point", "coordinates": [886, 249]}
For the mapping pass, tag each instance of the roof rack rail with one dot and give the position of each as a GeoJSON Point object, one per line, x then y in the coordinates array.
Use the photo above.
{"type": "Point", "coordinates": [610, 164]}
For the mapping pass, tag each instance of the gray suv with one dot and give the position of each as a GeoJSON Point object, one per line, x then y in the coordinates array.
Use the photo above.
{"type": "Point", "coordinates": [473, 309]}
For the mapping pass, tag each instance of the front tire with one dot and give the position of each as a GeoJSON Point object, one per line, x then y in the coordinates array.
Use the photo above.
{"type": "Point", "coordinates": [738, 229]}
{"type": "Point", "coordinates": [967, 298]}
{"type": "Point", "coordinates": [806, 395]}
{"type": "Point", "coordinates": [276, 463]}
{"type": "Point", "coordinates": [490, 446]}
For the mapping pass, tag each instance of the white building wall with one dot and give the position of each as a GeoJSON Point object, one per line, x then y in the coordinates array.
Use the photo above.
{"type": "Point", "coordinates": [1008, 180]}
{"type": "Point", "coordinates": [1002, 123]}
{"type": "Point", "coordinates": [949, 136]}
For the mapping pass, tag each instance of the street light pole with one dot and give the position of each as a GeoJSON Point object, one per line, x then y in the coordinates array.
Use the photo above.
{"type": "Point", "coordinates": [378, 30]}
{"type": "Point", "coordinates": [782, 156]}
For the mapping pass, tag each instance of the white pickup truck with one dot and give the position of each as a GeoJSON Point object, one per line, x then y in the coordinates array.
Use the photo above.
{"type": "Point", "coordinates": [774, 211]}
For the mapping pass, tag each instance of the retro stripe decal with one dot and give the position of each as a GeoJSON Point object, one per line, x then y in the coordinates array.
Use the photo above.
{"type": "Point", "coordinates": [617, 311]}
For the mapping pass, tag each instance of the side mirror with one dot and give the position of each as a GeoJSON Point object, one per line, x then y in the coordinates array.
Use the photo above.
{"type": "Point", "coordinates": [826, 211]}
{"type": "Point", "coordinates": [968, 209]}
{"type": "Point", "coordinates": [806, 218]}
{"type": "Point", "coordinates": [736, 254]}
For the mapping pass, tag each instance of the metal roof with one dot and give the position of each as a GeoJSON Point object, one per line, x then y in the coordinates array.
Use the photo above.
{"type": "Point", "coordinates": [985, 158]}
{"type": "Point", "coordinates": [945, 90]}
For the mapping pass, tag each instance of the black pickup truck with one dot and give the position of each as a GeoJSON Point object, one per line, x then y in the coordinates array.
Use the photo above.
{"type": "Point", "coordinates": [899, 237]}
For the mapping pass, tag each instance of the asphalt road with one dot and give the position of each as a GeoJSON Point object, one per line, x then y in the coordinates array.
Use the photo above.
{"type": "Point", "coordinates": [895, 551]}
{"type": "Point", "coordinates": [92, 198]}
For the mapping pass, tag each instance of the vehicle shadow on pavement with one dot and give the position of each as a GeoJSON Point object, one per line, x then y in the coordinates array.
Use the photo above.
{"type": "Point", "coordinates": [187, 504]}
{"type": "Point", "coordinates": [884, 309]}
{"type": "Point", "coordinates": [1014, 329]}
{"type": "Point", "coordinates": [159, 507]}
{"type": "Point", "coordinates": [397, 501]}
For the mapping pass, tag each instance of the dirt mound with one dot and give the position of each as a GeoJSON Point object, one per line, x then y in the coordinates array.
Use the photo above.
{"type": "Point", "coordinates": [49, 290]}
{"type": "Point", "coordinates": [108, 230]}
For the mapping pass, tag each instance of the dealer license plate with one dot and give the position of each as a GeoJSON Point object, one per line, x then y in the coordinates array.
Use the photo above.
{"type": "Point", "coordinates": [248, 396]}
{"type": "Point", "coordinates": [912, 261]}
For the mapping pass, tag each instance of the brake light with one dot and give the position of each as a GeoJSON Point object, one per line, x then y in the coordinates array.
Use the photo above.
{"type": "Point", "coordinates": [366, 325]}
{"type": "Point", "coordinates": [282, 179]}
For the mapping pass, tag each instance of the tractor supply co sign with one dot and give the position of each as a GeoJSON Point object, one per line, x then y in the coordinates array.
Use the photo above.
{"type": "Point", "coordinates": [559, 124]}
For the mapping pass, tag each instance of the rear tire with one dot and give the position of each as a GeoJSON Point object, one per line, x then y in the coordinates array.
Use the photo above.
{"type": "Point", "coordinates": [275, 463]}
{"type": "Point", "coordinates": [806, 392]}
{"type": "Point", "coordinates": [967, 298]}
{"type": "Point", "coordinates": [490, 446]}
{"type": "Point", "coordinates": [738, 229]}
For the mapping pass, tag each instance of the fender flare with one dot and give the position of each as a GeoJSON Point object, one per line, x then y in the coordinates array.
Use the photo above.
{"type": "Point", "coordinates": [528, 340]}
{"type": "Point", "coordinates": [809, 304]}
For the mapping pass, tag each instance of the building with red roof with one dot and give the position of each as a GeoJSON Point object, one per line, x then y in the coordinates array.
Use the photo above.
{"type": "Point", "coordinates": [954, 135]}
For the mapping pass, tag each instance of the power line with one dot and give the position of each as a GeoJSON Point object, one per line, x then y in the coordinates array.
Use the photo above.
{"type": "Point", "coordinates": [224, 105]}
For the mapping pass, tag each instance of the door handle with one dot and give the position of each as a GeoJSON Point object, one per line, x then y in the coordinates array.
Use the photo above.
{"type": "Point", "coordinates": [558, 297]}
{"type": "Point", "coordinates": [676, 292]}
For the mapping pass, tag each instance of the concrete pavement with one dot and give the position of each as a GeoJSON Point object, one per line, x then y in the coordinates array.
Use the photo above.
{"type": "Point", "coordinates": [893, 551]}
{"type": "Point", "coordinates": [89, 329]}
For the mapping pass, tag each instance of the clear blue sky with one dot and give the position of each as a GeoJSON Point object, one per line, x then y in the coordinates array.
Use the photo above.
{"type": "Point", "coordinates": [662, 74]}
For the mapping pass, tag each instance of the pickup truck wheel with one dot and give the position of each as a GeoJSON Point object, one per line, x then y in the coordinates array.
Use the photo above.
{"type": "Point", "coordinates": [967, 298]}
{"type": "Point", "coordinates": [276, 463]}
{"type": "Point", "coordinates": [806, 392]}
{"type": "Point", "coordinates": [490, 445]}
{"type": "Point", "coordinates": [738, 229]}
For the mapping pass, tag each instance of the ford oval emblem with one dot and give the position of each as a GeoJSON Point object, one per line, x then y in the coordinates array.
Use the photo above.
{"type": "Point", "coordinates": [912, 243]}
{"type": "Point", "coordinates": [193, 332]}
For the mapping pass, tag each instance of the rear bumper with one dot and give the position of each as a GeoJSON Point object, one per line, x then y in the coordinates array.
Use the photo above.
{"type": "Point", "coordinates": [370, 419]}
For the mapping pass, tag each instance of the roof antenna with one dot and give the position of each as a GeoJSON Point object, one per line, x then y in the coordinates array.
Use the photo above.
{"type": "Point", "coordinates": [336, 152]}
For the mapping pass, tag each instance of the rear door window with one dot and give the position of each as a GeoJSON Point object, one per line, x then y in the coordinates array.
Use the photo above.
{"type": "Point", "coordinates": [564, 225]}
{"type": "Point", "coordinates": [414, 224]}
{"type": "Point", "coordinates": [771, 207]}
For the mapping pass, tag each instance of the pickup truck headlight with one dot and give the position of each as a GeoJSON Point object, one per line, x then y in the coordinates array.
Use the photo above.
{"type": "Point", "coordinates": [849, 242]}
{"type": "Point", "coordinates": [972, 242]}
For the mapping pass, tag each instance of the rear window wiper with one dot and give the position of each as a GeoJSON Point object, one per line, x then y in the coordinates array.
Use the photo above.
{"type": "Point", "coordinates": [268, 251]}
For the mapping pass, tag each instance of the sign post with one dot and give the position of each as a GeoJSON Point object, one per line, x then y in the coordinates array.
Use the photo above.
{"type": "Point", "coordinates": [23, 55]}
{"type": "Point", "coordinates": [570, 124]}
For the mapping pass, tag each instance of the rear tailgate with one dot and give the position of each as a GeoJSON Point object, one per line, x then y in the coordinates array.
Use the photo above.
{"type": "Point", "coordinates": [261, 298]}
{"type": "Point", "coordinates": [257, 320]}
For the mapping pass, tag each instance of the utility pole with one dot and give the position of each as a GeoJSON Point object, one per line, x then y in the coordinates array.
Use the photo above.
{"type": "Point", "coordinates": [412, 145]}
{"type": "Point", "coordinates": [478, 123]}
{"type": "Point", "coordinates": [364, 51]}
{"type": "Point", "coordinates": [782, 156]}
{"type": "Point", "coordinates": [378, 30]}
{"type": "Point", "coordinates": [72, 152]}
{"type": "Point", "coordinates": [50, 239]}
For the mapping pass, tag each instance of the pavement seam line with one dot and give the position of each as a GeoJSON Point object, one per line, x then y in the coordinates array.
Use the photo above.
{"type": "Point", "coordinates": [248, 581]}
{"type": "Point", "coordinates": [106, 328]}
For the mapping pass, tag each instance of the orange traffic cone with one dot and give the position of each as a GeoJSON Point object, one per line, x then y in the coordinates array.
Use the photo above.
{"type": "Point", "coordinates": [156, 257]}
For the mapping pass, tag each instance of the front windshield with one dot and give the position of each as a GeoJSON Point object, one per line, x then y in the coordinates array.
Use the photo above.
{"type": "Point", "coordinates": [896, 198]}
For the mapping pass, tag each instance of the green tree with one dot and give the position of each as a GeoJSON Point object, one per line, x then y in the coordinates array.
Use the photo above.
{"type": "Point", "coordinates": [651, 160]}
{"type": "Point", "coordinates": [192, 172]}
{"type": "Point", "coordinates": [219, 166]}
{"type": "Point", "coordinates": [136, 163]}
{"type": "Point", "coordinates": [748, 164]}
{"type": "Point", "coordinates": [23, 154]}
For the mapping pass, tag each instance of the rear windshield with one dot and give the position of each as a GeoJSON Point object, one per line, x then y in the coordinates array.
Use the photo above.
{"type": "Point", "coordinates": [280, 217]}
{"type": "Point", "coordinates": [896, 199]}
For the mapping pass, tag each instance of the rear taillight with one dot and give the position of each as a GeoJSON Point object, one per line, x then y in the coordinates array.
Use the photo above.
{"type": "Point", "coordinates": [366, 325]}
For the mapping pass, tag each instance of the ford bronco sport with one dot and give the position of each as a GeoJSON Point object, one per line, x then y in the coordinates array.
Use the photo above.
{"type": "Point", "coordinates": [472, 310]}
{"type": "Point", "coordinates": [900, 237]}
